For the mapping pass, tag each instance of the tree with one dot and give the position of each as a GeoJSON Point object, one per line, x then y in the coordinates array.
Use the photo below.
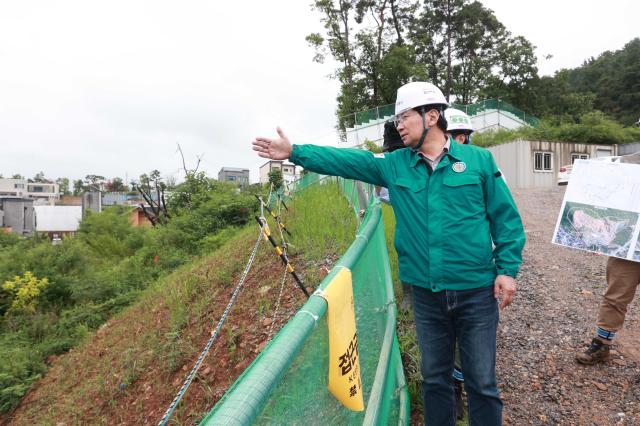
{"type": "Point", "coordinates": [63, 186]}
{"type": "Point", "coordinates": [275, 178]}
{"type": "Point", "coordinates": [613, 77]}
{"type": "Point", "coordinates": [17, 176]}
{"type": "Point", "coordinates": [78, 187]}
{"type": "Point", "coordinates": [94, 183]}
{"type": "Point", "coordinates": [24, 292]}
{"type": "Point", "coordinates": [336, 17]}
{"type": "Point", "coordinates": [477, 51]}
{"type": "Point", "coordinates": [396, 68]}
{"type": "Point", "coordinates": [39, 178]}
{"type": "Point", "coordinates": [553, 97]}
{"type": "Point", "coordinates": [152, 189]}
{"type": "Point", "coordinates": [459, 45]}
{"type": "Point", "coordinates": [116, 185]}
{"type": "Point", "coordinates": [517, 74]}
{"type": "Point", "coordinates": [194, 191]}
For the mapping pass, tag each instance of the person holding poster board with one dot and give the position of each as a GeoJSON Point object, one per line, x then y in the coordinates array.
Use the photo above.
{"type": "Point", "coordinates": [623, 278]}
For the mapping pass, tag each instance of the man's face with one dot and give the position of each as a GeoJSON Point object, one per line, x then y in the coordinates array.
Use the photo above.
{"type": "Point", "coordinates": [409, 125]}
{"type": "Point", "coordinates": [460, 138]}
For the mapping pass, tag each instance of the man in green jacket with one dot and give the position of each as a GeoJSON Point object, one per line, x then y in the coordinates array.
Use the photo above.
{"type": "Point", "coordinates": [459, 240]}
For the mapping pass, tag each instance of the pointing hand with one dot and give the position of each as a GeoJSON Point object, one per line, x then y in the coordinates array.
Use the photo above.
{"type": "Point", "coordinates": [275, 149]}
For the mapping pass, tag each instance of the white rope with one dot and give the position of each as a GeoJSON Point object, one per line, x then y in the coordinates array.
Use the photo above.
{"type": "Point", "coordinates": [275, 312]}
{"type": "Point", "coordinates": [284, 275]}
{"type": "Point", "coordinates": [214, 335]}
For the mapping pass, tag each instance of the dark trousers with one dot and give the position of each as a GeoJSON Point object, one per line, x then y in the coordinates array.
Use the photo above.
{"type": "Point", "coordinates": [471, 317]}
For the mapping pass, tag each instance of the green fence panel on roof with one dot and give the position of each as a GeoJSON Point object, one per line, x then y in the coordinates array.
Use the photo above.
{"type": "Point", "coordinates": [381, 112]}
{"type": "Point", "coordinates": [287, 382]}
{"type": "Point", "coordinates": [387, 111]}
{"type": "Point", "coordinates": [496, 104]}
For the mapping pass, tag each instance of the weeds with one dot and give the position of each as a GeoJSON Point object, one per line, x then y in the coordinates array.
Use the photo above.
{"type": "Point", "coordinates": [318, 231]}
{"type": "Point", "coordinates": [178, 289]}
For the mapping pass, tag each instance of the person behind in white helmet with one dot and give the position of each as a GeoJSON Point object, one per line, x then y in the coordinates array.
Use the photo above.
{"type": "Point", "coordinates": [451, 206]}
{"type": "Point", "coordinates": [459, 125]}
{"type": "Point", "coordinates": [460, 128]}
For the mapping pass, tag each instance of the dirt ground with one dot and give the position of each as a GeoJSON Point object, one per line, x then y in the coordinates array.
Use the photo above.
{"type": "Point", "coordinates": [553, 317]}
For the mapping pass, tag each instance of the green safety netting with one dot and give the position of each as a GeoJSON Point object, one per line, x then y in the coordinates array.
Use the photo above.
{"type": "Point", "coordinates": [287, 382]}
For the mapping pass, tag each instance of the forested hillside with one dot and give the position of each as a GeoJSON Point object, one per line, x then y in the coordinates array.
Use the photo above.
{"type": "Point", "coordinates": [463, 48]}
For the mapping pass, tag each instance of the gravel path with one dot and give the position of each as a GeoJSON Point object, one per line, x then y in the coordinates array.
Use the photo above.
{"type": "Point", "coordinates": [559, 291]}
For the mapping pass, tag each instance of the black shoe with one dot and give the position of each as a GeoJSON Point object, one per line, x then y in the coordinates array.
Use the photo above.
{"type": "Point", "coordinates": [457, 386]}
{"type": "Point", "coordinates": [596, 352]}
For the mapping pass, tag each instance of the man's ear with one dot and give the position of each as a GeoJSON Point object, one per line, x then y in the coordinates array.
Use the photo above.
{"type": "Point", "coordinates": [432, 117]}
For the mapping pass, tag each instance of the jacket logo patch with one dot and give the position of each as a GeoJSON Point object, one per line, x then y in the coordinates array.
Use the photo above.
{"type": "Point", "coordinates": [381, 155]}
{"type": "Point", "coordinates": [459, 167]}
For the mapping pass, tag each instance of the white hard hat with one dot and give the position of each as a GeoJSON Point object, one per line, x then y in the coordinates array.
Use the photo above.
{"type": "Point", "coordinates": [418, 93]}
{"type": "Point", "coordinates": [457, 120]}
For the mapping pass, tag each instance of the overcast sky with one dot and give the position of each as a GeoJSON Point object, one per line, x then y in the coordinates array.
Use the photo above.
{"type": "Point", "coordinates": [110, 87]}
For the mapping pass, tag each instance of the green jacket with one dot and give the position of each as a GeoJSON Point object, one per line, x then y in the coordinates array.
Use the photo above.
{"type": "Point", "coordinates": [446, 221]}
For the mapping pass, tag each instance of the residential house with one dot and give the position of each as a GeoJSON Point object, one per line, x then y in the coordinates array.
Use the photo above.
{"type": "Point", "coordinates": [290, 173]}
{"type": "Point", "coordinates": [43, 193]}
{"type": "Point", "coordinates": [234, 175]}
{"type": "Point", "coordinates": [13, 187]}
{"type": "Point", "coordinates": [138, 218]}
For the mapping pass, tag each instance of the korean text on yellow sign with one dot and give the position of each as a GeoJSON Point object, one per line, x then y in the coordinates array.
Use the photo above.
{"type": "Point", "coordinates": [344, 364]}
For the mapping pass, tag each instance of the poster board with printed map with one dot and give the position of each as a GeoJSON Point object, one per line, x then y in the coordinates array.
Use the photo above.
{"type": "Point", "coordinates": [601, 209]}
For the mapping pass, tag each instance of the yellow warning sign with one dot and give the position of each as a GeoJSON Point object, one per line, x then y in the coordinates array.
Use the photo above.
{"type": "Point", "coordinates": [344, 362]}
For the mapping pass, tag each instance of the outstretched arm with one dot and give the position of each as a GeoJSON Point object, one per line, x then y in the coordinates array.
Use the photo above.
{"type": "Point", "coordinates": [346, 162]}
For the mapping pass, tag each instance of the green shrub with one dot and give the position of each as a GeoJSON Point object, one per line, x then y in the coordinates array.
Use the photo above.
{"type": "Point", "coordinates": [101, 270]}
{"type": "Point", "coordinates": [8, 240]}
{"type": "Point", "coordinates": [593, 128]}
{"type": "Point", "coordinates": [20, 367]}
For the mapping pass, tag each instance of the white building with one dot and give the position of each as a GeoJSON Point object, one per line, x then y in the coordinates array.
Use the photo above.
{"type": "Point", "coordinates": [40, 193]}
{"type": "Point", "coordinates": [289, 171]}
{"type": "Point", "coordinates": [529, 164]}
{"type": "Point", "coordinates": [43, 193]}
{"type": "Point", "coordinates": [491, 114]}
{"type": "Point", "coordinates": [13, 187]}
{"type": "Point", "coordinates": [57, 221]}
{"type": "Point", "coordinates": [234, 175]}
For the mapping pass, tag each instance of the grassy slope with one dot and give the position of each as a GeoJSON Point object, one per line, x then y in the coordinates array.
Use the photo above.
{"type": "Point", "coordinates": [129, 370]}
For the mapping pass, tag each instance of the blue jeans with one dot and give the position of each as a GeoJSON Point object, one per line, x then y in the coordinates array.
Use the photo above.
{"type": "Point", "coordinates": [471, 317]}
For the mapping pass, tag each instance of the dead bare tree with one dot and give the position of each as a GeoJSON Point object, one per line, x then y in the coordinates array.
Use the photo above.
{"type": "Point", "coordinates": [184, 164]}
{"type": "Point", "coordinates": [157, 207]}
